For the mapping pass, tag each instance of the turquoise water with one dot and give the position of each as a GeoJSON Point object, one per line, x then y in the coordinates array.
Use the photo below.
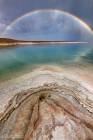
{"type": "Point", "coordinates": [19, 58]}
{"type": "Point", "coordinates": [45, 25]}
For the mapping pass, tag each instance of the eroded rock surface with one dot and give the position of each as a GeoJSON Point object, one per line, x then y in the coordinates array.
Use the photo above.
{"type": "Point", "coordinates": [49, 112]}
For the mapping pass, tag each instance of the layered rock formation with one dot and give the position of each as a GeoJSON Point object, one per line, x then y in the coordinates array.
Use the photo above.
{"type": "Point", "coordinates": [51, 111]}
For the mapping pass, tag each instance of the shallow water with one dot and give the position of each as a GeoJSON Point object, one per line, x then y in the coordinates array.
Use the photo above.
{"type": "Point", "coordinates": [17, 59]}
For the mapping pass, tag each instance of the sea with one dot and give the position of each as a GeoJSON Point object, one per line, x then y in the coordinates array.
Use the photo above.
{"type": "Point", "coordinates": [17, 60]}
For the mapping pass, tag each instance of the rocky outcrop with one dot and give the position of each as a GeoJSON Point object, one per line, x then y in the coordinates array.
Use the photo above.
{"type": "Point", "coordinates": [49, 112]}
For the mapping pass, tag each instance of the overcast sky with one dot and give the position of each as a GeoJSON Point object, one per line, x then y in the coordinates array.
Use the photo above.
{"type": "Point", "coordinates": [11, 9]}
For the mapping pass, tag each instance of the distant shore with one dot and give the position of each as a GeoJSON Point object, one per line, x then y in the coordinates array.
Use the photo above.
{"type": "Point", "coordinates": [4, 42]}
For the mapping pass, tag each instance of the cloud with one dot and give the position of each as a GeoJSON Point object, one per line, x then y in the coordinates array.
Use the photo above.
{"type": "Point", "coordinates": [2, 27]}
{"type": "Point", "coordinates": [3, 23]}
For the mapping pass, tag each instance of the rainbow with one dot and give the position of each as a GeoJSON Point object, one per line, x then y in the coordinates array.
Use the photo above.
{"type": "Point", "coordinates": [56, 13]}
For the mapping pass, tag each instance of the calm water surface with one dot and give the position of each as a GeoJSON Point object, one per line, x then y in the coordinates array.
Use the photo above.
{"type": "Point", "coordinates": [17, 59]}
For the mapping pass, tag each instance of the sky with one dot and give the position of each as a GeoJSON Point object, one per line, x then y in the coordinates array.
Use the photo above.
{"type": "Point", "coordinates": [12, 9]}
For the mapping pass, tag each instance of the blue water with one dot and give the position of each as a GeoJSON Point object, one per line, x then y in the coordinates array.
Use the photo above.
{"type": "Point", "coordinates": [19, 58]}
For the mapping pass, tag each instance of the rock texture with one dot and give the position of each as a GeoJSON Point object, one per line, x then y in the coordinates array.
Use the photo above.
{"type": "Point", "coordinates": [49, 112]}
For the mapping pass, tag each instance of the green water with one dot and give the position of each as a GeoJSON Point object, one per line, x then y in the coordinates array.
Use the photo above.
{"type": "Point", "coordinates": [17, 59]}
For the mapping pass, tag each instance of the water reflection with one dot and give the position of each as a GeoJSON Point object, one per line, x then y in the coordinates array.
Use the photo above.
{"type": "Point", "coordinates": [18, 58]}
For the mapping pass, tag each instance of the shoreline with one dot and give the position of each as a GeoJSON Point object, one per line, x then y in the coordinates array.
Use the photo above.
{"type": "Point", "coordinates": [41, 76]}
{"type": "Point", "coordinates": [43, 99]}
{"type": "Point", "coordinates": [5, 42]}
